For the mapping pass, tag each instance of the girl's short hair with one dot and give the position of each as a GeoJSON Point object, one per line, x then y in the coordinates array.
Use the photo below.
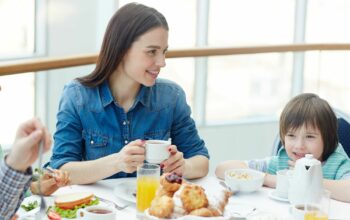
{"type": "Point", "coordinates": [310, 110]}
{"type": "Point", "coordinates": [126, 26]}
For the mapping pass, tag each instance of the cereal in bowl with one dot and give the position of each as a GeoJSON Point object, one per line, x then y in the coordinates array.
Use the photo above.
{"type": "Point", "coordinates": [240, 175]}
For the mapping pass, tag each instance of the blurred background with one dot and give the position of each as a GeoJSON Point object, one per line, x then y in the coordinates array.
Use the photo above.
{"type": "Point", "coordinates": [236, 100]}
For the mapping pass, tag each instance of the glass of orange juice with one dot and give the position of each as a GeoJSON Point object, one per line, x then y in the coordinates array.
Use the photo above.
{"type": "Point", "coordinates": [315, 215]}
{"type": "Point", "coordinates": [320, 209]}
{"type": "Point", "coordinates": [147, 182]}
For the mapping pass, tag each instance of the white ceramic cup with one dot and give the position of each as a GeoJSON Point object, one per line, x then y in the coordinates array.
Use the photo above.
{"type": "Point", "coordinates": [282, 183]}
{"type": "Point", "coordinates": [157, 151]}
{"type": "Point", "coordinates": [97, 212]}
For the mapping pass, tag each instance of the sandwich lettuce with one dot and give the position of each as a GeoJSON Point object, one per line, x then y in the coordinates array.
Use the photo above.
{"type": "Point", "coordinates": [30, 206]}
{"type": "Point", "coordinates": [72, 213]}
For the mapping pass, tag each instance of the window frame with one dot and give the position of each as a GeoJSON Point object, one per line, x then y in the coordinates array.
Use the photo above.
{"type": "Point", "coordinates": [40, 50]}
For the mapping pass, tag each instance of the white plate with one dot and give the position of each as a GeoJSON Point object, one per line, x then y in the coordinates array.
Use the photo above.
{"type": "Point", "coordinates": [232, 210]}
{"type": "Point", "coordinates": [185, 217]}
{"type": "Point", "coordinates": [273, 195]}
{"type": "Point", "coordinates": [23, 213]}
{"type": "Point", "coordinates": [237, 210]}
{"type": "Point", "coordinates": [126, 190]}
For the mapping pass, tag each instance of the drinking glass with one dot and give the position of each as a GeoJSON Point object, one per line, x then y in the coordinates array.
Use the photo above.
{"type": "Point", "coordinates": [320, 209]}
{"type": "Point", "coordinates": [147, 182]}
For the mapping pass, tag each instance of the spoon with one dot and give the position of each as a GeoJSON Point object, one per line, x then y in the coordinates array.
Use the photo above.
{"type": "Point", "coordinates": [222, 183]}
{"type": "Point", "coordinates": [42, 212]}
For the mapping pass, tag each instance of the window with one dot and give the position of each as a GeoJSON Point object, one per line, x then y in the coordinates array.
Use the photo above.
{"type": "Point", "coordinates": [327, 72]}
{"type": "Point", "coordinates": [17, 40]}
{"type": "Point", "coordinates": [250, 22]}
{"type": "Point", "coordinates": [17, 24]}
{"type": "Point", "coordinates": [327, 21]}
{"type": "Point", "coordinates": [248, 86]}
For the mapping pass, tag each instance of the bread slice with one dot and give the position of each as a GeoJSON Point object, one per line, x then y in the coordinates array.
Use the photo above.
{"type": "Point", "coordinates": [69, 201]}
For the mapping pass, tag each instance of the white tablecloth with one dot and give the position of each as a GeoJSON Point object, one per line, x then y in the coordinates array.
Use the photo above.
{"type": "Point", "coordinates": [259, 199]}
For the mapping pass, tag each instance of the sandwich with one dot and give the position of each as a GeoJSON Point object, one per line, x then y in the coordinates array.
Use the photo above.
{"type": "Point", "coordinates": [66, 205]}
{"type": "Point", "coordinates": [69, 201]}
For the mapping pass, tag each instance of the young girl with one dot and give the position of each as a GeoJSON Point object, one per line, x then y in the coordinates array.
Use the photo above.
{"type": "Point", "coordinates": [308, 125]}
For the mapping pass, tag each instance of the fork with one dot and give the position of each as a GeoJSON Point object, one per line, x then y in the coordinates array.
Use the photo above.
{"type": "Point", "coordinates": [112, 202]}
{"type": "Point", "coordinates": [41, 214]}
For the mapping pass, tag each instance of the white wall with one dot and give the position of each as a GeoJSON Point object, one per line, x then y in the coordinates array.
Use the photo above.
{"type": "Point", "coordinates": [241, 141]}
{"type": "Point", "coordinates": [76, 27]}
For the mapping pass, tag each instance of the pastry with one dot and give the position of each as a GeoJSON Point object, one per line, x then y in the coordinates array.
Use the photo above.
{"type": "Point", "coordinates": [162, 207]}
{"type": "Point", "coordinates": [193, 197]}
{"type": "Point", "coordinates": [218, 202]}
{"type": "Point", "coordinates": [175, 198]}
{"type": "Point", "coordinates": [161, 192]}
{"type": "Point", "coordinates": [171, 181]}
{"type": "Point", "coordinates": [203, 212]}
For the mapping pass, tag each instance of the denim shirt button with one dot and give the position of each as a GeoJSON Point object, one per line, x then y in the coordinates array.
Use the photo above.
{"type": "Point", "coordinates": [126, 141]}
{"type": "Point", "coordinates": [124, 122]}
{"type": "Point", "coordinates": [91, 142]}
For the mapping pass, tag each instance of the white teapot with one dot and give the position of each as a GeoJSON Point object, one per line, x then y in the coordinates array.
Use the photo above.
{"type": "Point", "coordinates": [306, 184]}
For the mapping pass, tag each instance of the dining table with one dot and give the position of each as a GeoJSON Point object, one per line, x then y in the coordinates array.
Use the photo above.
{"type": "Point", "coordinates": [243, 204]}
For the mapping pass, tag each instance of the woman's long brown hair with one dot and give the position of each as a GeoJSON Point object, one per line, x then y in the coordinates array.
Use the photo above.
{"type": "Point", "coordinates": [126, 25]}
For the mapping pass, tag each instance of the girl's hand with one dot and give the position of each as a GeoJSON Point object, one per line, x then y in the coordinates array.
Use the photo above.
{"type": "Point", "coordinates": [131, 156]}
{"type": "Point", "coordinates": [61, 177]}
{"type": "Point", "coordinates": [50, 182]}
{"type": "Point", "coordinates": [175, 163]}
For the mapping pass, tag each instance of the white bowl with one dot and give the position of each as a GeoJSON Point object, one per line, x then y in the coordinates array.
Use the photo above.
{"type": "Point", "coordinates": [244, 180]}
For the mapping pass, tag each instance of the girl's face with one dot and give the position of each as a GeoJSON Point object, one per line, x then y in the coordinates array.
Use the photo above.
{"type": "Point", "coordinates": [304, 140]}
{"type": "Point", "coordinates": [146, 56]}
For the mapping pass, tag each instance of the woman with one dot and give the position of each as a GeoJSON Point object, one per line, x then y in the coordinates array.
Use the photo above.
{"type": "Point", "coordinates": [105, 117]}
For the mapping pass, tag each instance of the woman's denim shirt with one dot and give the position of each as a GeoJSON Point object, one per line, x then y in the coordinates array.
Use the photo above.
{"type": "Point", "coordinates": [91, 125]}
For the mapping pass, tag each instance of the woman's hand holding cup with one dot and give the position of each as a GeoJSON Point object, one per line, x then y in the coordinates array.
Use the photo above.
{"type": "Point", "coordinates": [163, 153]}
{"type": "Point", "coordinates": [131, 156]}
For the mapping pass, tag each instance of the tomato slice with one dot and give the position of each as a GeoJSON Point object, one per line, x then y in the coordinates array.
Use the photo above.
{"type": "Point", "coordinates": [54, 216]}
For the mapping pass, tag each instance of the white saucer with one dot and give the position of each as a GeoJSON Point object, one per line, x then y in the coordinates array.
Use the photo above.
{"type": "Point", "coordinates": [273, 195]}
{"type": "Point", "coordinates": [23, 213]}
{"type": "Point", "coordinates": [126, 190]}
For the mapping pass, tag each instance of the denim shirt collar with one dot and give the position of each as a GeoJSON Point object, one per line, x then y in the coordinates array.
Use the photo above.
{"type": "Point", "coordinates": [106, 94]}
{"type": "Point", "coordinates": [144, 95]}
